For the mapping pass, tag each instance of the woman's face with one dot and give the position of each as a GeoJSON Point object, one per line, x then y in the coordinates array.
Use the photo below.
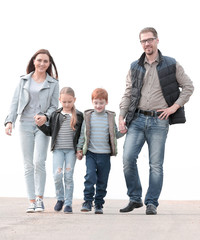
{"type": "Point", "coordinates": [41, 63]}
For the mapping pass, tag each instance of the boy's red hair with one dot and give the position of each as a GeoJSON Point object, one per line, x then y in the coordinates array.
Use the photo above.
{"type": "Point", "coordinates": [100, 93]}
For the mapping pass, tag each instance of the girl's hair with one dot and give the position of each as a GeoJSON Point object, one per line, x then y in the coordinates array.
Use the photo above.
{"type": "Point", "coordinates": [100, 93]}
{"type": "Point", "coordinates": [70, 91]}
{"type": "Point", "coordinates": [31, 67]}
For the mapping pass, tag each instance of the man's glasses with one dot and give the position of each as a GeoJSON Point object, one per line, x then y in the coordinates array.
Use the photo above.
{"type": "Point", "coordinates": [149, 40]}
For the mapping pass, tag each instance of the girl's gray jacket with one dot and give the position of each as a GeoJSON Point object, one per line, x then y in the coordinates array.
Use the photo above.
{"type": "Point", "coordinates": [48, 97]}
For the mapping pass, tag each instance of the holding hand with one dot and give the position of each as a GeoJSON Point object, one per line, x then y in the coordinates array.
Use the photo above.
{"type": "Point", "coordinates": [122, 125]}
{"type": "Point", "coordinates": [79, 155]}
{"type": "Point", "coordinates": [40, 120]}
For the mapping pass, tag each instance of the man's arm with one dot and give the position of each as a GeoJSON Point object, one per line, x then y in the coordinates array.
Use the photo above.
{"type": "Point", "coordinates": [124, 104]}
{"type": "Point", "coordinates": [187, 87]}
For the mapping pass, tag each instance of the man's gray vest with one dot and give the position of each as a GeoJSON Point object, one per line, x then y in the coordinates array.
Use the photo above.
{"type": "Point", "coordinates": [167, 75]}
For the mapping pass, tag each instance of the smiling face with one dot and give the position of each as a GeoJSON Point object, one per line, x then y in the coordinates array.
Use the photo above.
{"type": "Point", "coordinates": [99, 104]}
{"type": "Point", "coordinates": [67, 101]}
{"type": "Point", "coordinates": [149, 43]}
{"type": "Point", "coordinates": [41, 63]}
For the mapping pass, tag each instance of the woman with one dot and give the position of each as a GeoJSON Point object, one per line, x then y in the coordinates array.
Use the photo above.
{"type": "Point", "coordinates": [35, 98]}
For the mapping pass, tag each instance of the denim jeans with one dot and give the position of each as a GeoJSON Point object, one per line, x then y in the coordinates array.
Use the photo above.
{"type": "Point", "coordinates": [97, 172]}
{"type": "Point", "coordinates": [34, 145]}
{"type": "Point", "coordinates": [63, 165]}
{"type": "Point", "coordinates": [153, 131]}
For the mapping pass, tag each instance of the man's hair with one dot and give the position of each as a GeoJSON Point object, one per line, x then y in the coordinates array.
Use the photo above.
{"type": "Point", "coordinates": [149, 29]}
{"type": "Point", "coordinates": [100, 93]}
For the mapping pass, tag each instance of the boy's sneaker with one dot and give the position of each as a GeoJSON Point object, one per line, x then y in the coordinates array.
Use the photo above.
{"type": "Point", "coordinates": [31, 208]}
{"type": "Point", "coordinates": [86, 206]}
{"type": "Point", "coordinates": [98, 209]}
{"type": "Point", "coordinates": [68, 209]}
{"type": "Point", "coordinates": [39, 205]}
{"type": "Point", "coordinates": [58, 205]}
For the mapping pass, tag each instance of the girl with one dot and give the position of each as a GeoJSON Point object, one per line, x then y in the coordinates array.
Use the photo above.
{"type": "Point", "coordinates": [64, 127]}
{"type": "Point", "coordinates": [36, 96]}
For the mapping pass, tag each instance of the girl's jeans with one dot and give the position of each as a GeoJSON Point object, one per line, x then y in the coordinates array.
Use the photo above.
{"type": "Point", "coordinates": [97, 172]}
{"type": "Point", "coordinates": [63, 164]}
{"type": "Point", "coordinates": [34, 145]}
{"type": "Point", "coordinates": [153, 131]}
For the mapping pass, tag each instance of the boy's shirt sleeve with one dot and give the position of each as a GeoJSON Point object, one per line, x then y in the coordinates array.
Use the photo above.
{"type": "Point", "coordinates": [81, 138]}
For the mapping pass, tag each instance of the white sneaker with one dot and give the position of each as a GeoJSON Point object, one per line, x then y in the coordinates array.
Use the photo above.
{"type": "Point", "coordinates": [31, 208]}
{"type": "Point", "coordinates": [39, 205]}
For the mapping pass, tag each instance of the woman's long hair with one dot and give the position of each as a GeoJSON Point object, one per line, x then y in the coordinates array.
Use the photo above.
{"type": "Point", "coordinates": [31, 67]}
{"type": "Point", "coordinates": [70, 91]}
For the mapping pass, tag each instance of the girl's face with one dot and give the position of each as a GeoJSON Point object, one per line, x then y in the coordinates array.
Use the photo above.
{"type": "Point", "coordinates": [67, 101]}
{"type": "Point", "coordinates": [41, 63]}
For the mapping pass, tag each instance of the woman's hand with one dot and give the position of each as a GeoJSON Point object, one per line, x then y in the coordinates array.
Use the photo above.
{"type": "Point", "coordinates": [40, 119]}
{"type": "Point", "coordinates": [8, 129]}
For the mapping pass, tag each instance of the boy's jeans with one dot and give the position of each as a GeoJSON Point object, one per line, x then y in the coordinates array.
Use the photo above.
{"type": "Point", "coordinates": [64, 159]}
{"type": "Point", "coordinates": [97, 172]}
{"type": "Point", "coordinates": [153, 131]}
{"type": "Point", "coordinates": [34, 145]}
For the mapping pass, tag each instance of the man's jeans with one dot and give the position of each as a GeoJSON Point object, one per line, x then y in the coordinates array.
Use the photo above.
{"type": "Point", "coordinates": [34, 145]}
{"type": "Point", "coordinates": [153, 131]}
{"type": "Point", "coordinates": [97, 172]}
{"type": "Point", "coordinates": [64, 159]}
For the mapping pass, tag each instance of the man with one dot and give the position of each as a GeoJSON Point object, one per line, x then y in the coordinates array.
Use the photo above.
{"type": "Point", "coordinates": [152, 100]}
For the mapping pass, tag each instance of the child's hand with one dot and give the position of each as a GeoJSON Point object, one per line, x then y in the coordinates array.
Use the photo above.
{"type": "Point", "coordinates": [79, 154]}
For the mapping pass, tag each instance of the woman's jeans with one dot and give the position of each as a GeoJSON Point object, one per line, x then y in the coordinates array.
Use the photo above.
{"type": "Point", "coordinates": [34, 145]}
{"type": "Point", "coordinates": [63, 164]}
{"type": "Point", "coordinates": [97, 172]}
{"type": "Point", "coordinates": [153, 131]}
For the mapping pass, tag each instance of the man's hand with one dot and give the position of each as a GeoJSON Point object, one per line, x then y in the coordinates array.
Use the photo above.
{"type": "Point", "coordinates": [122, 125]}
{"type": "Point", "coordinates": [166, 112]}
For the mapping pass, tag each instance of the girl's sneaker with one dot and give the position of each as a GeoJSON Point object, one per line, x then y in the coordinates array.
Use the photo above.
{"type": "Point", "coordinates": [68, 209]}
{"type": "Point", "coordinates": [39, 205]}
{"type": "Point", "coordinates": [31, 208]}
{"type": "Point", "coordinates": [58, 205]}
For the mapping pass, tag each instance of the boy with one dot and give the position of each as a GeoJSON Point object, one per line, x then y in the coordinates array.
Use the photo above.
{"type": "Point", "coordinates": [98, 141]}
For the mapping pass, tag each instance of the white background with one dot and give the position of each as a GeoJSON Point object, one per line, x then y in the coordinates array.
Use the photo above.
{"type": "Point", "coordinates": [93, 43]}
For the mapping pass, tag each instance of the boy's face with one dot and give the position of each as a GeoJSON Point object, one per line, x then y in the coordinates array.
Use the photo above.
{"type": "Point", "coordinates": [99, 104]}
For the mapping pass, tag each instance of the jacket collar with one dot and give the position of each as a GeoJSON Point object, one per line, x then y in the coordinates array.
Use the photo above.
{"type": "Point", "coordinates": [142, 58]}
{"type": "Point", "coordinates": [28, 76]}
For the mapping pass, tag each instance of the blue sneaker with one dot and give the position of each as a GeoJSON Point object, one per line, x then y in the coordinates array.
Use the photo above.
{"type": "Point", "coordinates": [67, 209]}
{"type": "Point", "coordinates": [58, 205]}
{"type": "Point", "coordinates": [86, 206]}
{"type": "Point", "coordinates": [31, 208]}
{"type": "Point", "coordinates": [98, 209]}
{"type": "Point", "coordinates": [39, 205]}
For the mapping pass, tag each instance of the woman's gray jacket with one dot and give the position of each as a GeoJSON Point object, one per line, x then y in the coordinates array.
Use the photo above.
{"type": "Point", "coordinates": [48, 97]}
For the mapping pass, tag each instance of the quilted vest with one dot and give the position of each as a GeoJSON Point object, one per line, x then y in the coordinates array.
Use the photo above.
{"type": "Point", "coordinates": [166, 69]}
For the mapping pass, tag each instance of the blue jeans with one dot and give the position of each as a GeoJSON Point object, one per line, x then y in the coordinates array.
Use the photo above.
{"type": "Point", "coordinates": [153, 131]}
{"type": "Point", "coordinates": [97, 172]}
{"type": "Point", "coordinates": [34, 145]}
{"type": "Point", "coordinates": [63, 165]}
